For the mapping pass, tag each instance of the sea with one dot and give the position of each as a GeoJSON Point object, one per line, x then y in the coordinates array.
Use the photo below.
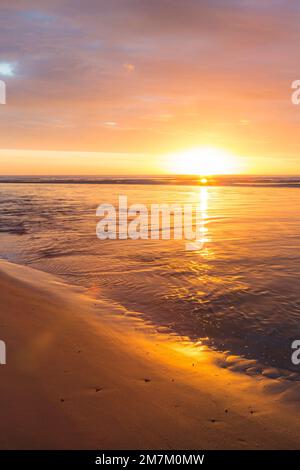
{"type": "Point", "coordinates": [237, 293]}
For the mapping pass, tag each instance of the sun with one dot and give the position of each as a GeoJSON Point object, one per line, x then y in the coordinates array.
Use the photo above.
{"type": "Point", "coordinates": [204, 161]}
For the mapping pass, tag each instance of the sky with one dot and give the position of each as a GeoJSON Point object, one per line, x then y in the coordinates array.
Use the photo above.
{"type": "Point", "coordinates": [120, 86]}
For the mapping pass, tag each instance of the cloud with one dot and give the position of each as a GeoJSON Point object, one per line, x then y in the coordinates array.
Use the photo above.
{"type": "Point", "coordinates": [6, 69]}
{"type": "Point", "coordinates": [129, 67]}
{"type": "Point", "coordinates": [200, 62]}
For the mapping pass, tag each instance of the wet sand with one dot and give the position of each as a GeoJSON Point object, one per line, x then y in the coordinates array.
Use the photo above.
{"type": "Point", "coordinates": [83, 373]}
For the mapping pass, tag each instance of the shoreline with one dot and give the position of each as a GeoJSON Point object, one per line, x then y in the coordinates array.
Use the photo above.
{"type": "Point", "coordinates": [83, 373]}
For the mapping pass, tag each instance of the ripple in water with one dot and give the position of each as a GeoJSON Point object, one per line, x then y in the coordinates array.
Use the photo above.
{"type": "Point", "coordinates": [240, 291]}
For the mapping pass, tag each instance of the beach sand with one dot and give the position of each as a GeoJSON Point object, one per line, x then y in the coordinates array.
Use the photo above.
{"type": "Point", "coordinates": [83, 373]}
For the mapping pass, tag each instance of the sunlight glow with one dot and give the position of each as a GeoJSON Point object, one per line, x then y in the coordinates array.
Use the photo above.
{"type": "Point", "coordinates": [6, 69]}
{"type": "Point", "coordinates": [204, 161]}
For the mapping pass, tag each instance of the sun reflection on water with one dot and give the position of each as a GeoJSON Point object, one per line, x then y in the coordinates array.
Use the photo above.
{"type": "Point", "coordinates": [202, 217]}
{"type": "Point", "coordinates": [203, 236]}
